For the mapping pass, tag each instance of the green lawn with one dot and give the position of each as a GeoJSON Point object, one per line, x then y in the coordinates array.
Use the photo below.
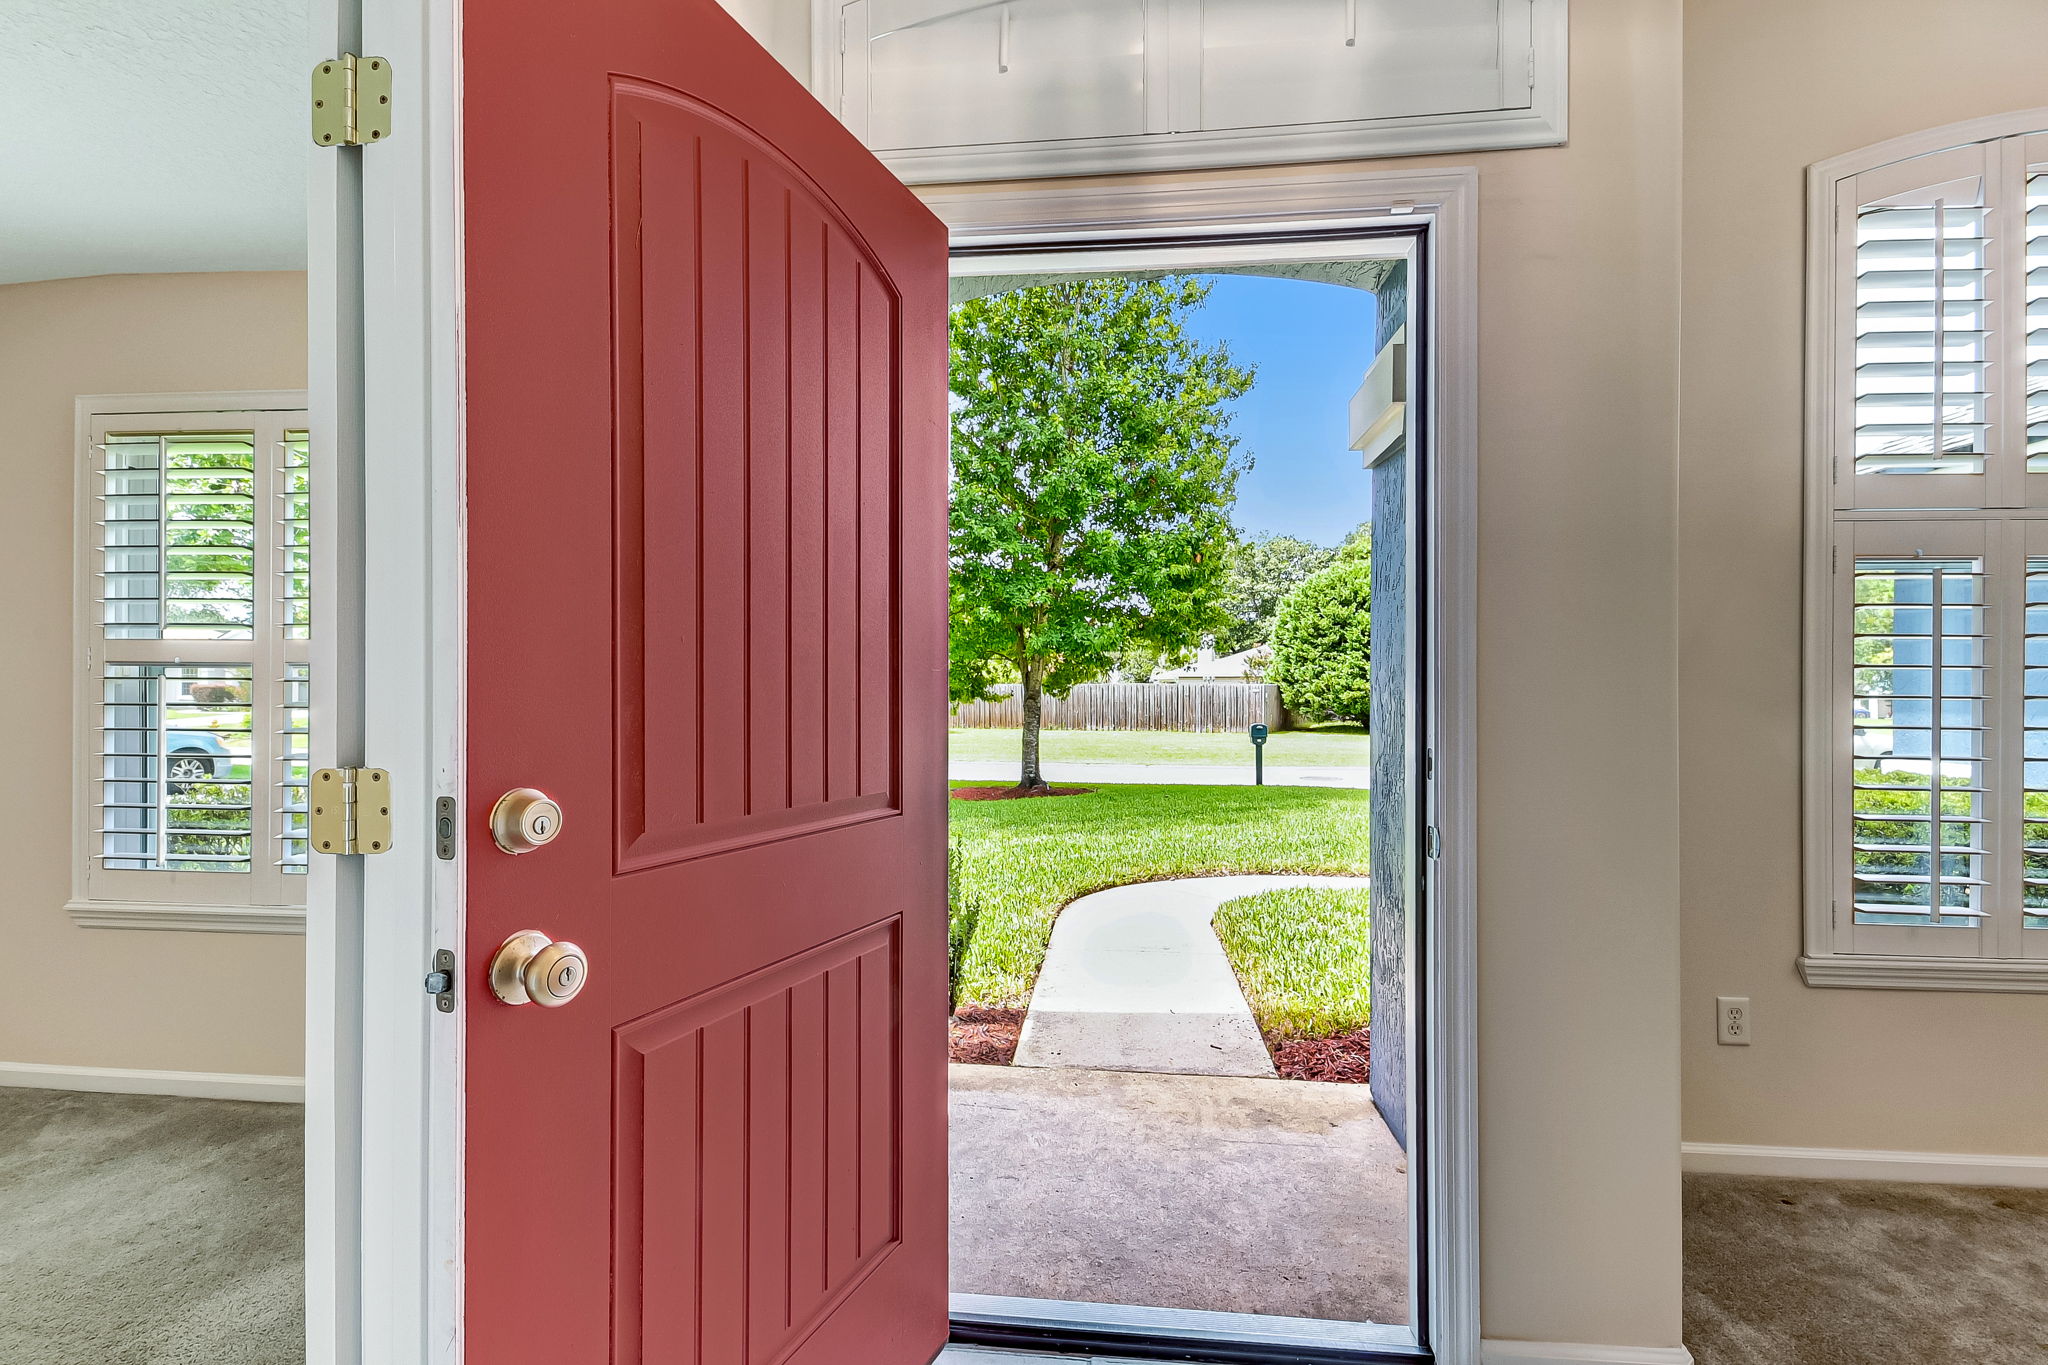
{"type": "Point", "coordinates": [1021, 861]}
{"type": "Point", "coordinates": [1304, 958]}
{"type": "Point", "coordinates": [1341, 746]}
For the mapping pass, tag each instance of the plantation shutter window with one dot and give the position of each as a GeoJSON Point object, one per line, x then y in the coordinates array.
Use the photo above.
{"type": "Point", "coordinates": [1927, 677]}
{"type": "Point", "coordinates": [197, 611]}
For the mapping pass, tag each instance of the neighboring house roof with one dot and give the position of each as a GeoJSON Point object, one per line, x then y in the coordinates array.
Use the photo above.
{"type": "Point", "coordinates": [1210, 666]}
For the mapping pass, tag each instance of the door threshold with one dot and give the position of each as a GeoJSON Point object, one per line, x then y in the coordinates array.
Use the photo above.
{"type": "Point", "coordinates": [1107, 1332]}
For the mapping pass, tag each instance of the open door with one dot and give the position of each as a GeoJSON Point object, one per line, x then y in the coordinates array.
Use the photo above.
{"type": "Point", "coordinates": [705, 454]}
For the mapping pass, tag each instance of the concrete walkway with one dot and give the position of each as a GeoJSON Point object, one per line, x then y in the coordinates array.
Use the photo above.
{"type": "Point", "coordinates": [1203, 1192]}
{"type": "Point", "coordinates": [1135, 980]}
{"type": "Point", "coordinates": [1171, 774]}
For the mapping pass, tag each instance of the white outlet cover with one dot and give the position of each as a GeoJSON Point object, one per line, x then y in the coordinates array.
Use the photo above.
{"type": "Point", "coordinates": [1735, 1022]}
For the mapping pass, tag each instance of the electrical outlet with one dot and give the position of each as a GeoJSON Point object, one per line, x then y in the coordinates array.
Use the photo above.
{"type": "Point", "coordinates": [1737, 1027]}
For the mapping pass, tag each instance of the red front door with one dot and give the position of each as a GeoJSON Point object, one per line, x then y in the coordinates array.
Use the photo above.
{"type": "Point", "coordinates": [705, 450]}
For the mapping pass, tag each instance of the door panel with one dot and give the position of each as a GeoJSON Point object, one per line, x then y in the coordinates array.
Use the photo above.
{"type": "Point", "coordinates": [800, 1175]}
{"type": "Point", "coordinates": [704, 357]}
{"type": "Point", "coordinates": [756, 688]}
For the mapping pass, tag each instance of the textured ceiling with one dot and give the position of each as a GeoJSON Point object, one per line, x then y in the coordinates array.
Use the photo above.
{"type": "Point", "coordinates": [151, 135]}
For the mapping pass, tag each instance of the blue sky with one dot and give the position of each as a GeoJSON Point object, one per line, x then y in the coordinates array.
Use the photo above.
{"type": "Point", "coordinates": [1311, 344]}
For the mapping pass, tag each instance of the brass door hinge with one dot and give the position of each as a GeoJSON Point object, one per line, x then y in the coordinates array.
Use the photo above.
{"type": "Point", "coordinates": [351, 101]}
{"type": "Point", "coordinates": [350, 810]}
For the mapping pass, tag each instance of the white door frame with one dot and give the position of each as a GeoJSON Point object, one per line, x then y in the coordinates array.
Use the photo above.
{"type": "Point", "coordinates": [383, 1067]}
{"type": "Point", "coordinates": [1323, 199]}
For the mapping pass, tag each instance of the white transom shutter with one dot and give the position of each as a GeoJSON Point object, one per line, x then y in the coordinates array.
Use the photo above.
{"type": "Point", "coordinates": [2036, 305]}
{"type": "Point", "coordinates": [1917, 247]}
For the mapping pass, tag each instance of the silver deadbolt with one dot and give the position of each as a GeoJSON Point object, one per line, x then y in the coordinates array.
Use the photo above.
{"type": "Point", "coordinates": [530, 968]}
{"type": "Point", "coordinates": [524, 819]}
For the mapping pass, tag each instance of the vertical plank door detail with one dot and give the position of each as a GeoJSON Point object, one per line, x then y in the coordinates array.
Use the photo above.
{"type": "Point", "coordinates": [757, 546]}
{"type": "Point", "coordinates": [799, 1172]}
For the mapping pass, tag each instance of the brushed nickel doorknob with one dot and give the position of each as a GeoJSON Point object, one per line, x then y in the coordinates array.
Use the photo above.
{"type": "Point", "coordinates": [524, 819]}
{"type": "Point", "coordinates": [530, 968]}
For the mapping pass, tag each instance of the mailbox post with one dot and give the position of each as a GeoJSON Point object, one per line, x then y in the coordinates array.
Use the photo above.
{"type": "Point", "coordinates": [1258, 755]}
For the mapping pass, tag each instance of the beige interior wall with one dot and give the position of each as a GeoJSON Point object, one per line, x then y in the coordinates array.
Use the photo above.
{"type": "Point", "coordinates": [1579, 1094]}
{"type": "Point", "coordinates": [1770, 89]}
{"type": "Point", "coordinates": [1578, 888]}
{"type": "Point", "coordinates": [110, 997]}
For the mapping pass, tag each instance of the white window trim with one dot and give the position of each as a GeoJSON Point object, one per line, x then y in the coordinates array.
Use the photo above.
{"type": "Point", "coordinates": [1541, 124]}
{"type": "Point", "coordinates": [162, 911]}
{"type": "Point", "coordinates": [1823, 963]}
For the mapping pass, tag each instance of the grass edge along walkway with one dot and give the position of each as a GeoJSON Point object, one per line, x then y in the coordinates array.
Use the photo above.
{"type": "Point", "coordinates": [1303, 955]}
{"type": "Point", "coordinates": [1021, 862]}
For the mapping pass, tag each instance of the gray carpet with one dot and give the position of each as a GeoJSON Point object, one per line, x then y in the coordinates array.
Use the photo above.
{"type": "Point", "coordinates": [143, 1231]}
{"type": "Point", "coordinates": [138, 1230]}
{"type": "Point", "coordinates": [1809, 1272]}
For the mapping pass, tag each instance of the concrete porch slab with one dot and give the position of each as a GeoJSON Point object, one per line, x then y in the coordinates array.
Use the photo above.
{"type": "Point", "coordinates": [1220, 1193]}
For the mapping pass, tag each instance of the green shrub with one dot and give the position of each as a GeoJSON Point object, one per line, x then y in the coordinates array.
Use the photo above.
{"type": "Point", "coordinates": [1910, 835]}
{"type": "Point", "coordinates": [963, 911]}
{"type": "Point", "coordinates": [1322, 641]}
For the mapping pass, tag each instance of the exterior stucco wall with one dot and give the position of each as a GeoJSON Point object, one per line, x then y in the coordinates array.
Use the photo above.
{"type": "Point", "coordinates": [1390, 795]}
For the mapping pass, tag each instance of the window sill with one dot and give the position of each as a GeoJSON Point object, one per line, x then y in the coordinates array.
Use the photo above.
{"type": "Point", "coordinates": [216, 919]}
{"type": "Point", "coordinates": [2019, 976]}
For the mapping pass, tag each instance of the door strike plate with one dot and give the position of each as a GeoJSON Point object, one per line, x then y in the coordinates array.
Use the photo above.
{"type": "Point", "coordinates": [444, 828]}
{"type": "Point", "coordinates": [440, 982]}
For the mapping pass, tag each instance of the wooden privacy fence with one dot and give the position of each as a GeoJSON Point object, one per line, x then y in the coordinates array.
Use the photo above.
{"type": "Point", "coordinates": [1134, 706]}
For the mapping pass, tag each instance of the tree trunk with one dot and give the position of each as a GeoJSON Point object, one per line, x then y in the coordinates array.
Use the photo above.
{"type": "Point", "coordinates": [1034, 694]}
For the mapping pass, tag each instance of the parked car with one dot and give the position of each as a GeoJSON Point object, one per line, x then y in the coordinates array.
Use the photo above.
{"type": "Point", "coordinates": [193, 756]}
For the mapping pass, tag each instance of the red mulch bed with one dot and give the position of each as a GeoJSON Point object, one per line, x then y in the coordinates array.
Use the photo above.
{"type": "Point", "coordinates": [1015, 793]}
{"type": "Point", "coordinates": [986, 1037]}
{"type": "Point", "coordinates": [1344, 1058]}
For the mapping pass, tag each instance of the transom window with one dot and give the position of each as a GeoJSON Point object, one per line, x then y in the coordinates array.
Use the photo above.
{"type": "Point", "coordinates": [957, 90]}
{"type": "Point", "coordinates": [1927, 677]}
{"type": "Point", "coordinates": [197, 613]}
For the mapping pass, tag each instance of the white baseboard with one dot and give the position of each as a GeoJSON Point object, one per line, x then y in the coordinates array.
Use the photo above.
{"type": "Point", "coordinates": [202, 1085]}
{"type": "Point", "coordinates": [1839, 1163]}
{"type": "Point", "coordinates": [1558, 1352]}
